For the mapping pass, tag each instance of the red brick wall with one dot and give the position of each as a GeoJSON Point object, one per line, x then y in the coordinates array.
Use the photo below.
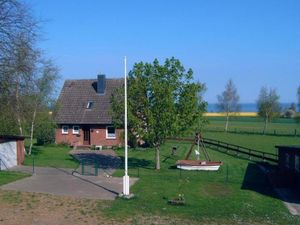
{"type": "Point", "coordinates": [70, 138]}
{"type": "Point", "coordinates": [97, 136]}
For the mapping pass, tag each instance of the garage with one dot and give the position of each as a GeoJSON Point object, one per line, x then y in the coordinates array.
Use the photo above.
{"type": "Point", "coordinates": [11, 151]}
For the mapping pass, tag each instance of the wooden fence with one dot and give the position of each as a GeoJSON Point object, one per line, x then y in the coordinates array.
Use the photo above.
{"type": "Point", "coordinates": [251, 154]}
{"type": "Point", "coordinates": [237, 150]}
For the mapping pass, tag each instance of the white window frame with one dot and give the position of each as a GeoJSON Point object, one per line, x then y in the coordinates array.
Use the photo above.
{"type": "Point", "coordinates": [63, 130]}
{"type": "Point", "coordinates": [75, 131]}
{"type": "Point", "coordinates": [90, 104]}
{"type": "Point", "coordinates": [110, 137]}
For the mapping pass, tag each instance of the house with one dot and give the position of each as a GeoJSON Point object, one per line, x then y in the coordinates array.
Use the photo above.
{"type": "Point", "coordinates": [289, 164]}
{"type": "Point", "coordinates": [12, 152]}
{"type": "Point", "coordinates": [83, 117]}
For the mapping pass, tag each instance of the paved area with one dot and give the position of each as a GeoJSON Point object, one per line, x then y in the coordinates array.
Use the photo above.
{"type": "Point", "coordinates": [103, 159]}
{"type": "Point", "coordinates": [63, 182]}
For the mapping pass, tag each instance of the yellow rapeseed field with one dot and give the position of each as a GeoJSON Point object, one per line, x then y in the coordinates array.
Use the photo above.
{"type": "Point", "coordinates": [231, 114]}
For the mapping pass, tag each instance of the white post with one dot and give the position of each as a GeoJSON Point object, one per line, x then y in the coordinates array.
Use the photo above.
{"type": "Point", "coordinates": [126, 177]}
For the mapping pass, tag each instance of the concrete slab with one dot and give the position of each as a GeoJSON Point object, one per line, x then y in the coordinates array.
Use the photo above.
{"type": "Point", "coordinates": [62, 182]}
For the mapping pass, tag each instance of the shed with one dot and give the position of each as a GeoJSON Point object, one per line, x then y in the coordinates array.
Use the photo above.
{"type": "Point", "coordinates": [12, 152]}
{"type": "Point", "coordinates": [289, 163]}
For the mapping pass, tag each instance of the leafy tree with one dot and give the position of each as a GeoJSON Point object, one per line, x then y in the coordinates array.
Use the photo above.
{"type": "Point", "coordinates": [17, 28]}
{"type": "Point", "coordinates": [162, 101]}
{"type": "Point", "coordinates": [45, 128]}
{"type": "Point", "coordinates": [228, 101]}
{"type": "Point", "coordinates": [27, 79]}
{"type": "Point", "coordinates": [268, 105]}
{"type": "Point", "coordinates": [41, 97]}
{"type": "Point", "coordinates": [18, 54]}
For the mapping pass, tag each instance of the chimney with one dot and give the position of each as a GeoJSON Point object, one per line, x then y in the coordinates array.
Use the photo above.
{"type": "Point", "coordinates": [101, 84]}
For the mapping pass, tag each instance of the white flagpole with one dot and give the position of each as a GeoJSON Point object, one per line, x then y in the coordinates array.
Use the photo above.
{"type": "Point", "coordinates": [126, 177]}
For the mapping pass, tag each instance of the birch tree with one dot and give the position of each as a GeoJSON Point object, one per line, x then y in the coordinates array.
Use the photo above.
{"type": "Point", "coordinates": [27, 79]}
{"type": "Point", "coordinates": [42, 94]}
{"type": "Point", "coordinates": [268, 105]}
{"type": "Point", "coordinates": [228, 101]}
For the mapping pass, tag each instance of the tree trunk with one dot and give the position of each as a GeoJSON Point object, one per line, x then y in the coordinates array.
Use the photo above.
{"type": "Point", "coordinates": [31, 130]}
{"type": "Point", "coordinates": [157, 150]}
{"type": "Point", "coordinates": [227, 121]}
{"type": "Point", "coordinates": [265, 126]}
{"type": "Point", "coordinates": [18, 111]}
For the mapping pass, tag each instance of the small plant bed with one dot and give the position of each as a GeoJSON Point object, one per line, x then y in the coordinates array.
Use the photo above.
{"type": "Point", "coordinates": [177, 201]}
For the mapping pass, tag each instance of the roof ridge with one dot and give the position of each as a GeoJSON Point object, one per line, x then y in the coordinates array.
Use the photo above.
{"type": "Point", "coordinates": [93, 79]}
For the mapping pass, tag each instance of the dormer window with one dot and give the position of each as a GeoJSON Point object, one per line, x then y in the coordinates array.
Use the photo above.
{"type": "Point", "coordinates": [89, 105]}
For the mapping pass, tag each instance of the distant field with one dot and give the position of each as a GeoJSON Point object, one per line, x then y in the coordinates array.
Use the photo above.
{"type": "Point", "coordinates": [222, 114]}
{"type": "Point", "coordinates": [252, 124]}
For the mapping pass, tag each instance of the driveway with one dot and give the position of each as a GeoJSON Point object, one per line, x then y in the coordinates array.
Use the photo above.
{"type": "Point", "coordinates": [64, 182]}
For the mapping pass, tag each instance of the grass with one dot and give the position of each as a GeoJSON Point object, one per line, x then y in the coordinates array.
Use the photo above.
{"type": "Point", "coordinates": [51, 156]}
{"type": "Point", "coordinates": [279, 126]}
{"type": "Point", "coordinates": [238, 193]}
{"type": "Point", "coordinates": [264, 143]}
{"type": "Point", "coordinates": [9, 176]}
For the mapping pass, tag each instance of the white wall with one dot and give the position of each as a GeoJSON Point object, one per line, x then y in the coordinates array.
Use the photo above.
{"type": "Point", "coordinates": [8, 154]}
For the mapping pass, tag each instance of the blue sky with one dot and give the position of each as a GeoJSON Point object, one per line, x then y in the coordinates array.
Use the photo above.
{"type": "Point", "coordinates": [256, 43]}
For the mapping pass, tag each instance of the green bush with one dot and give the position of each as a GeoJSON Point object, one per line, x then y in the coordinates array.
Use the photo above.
{"type": "Point", "coordinates": [45, 131]}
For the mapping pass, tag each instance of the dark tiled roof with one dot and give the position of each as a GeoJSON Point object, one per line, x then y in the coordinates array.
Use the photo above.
{"type": "Point", "coordinates": [75, 96]}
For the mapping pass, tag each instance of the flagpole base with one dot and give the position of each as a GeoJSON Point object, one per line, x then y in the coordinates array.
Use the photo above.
{"type": "Point", "coordinates": [126, 185]}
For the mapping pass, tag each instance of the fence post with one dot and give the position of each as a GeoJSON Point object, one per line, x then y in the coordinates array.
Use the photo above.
{"type": "Point", "coordinates": [295, 132]}
{"type": "Point", "coordinates": [0, 164]}
{"type": "Point", "coordinates": [82, 168]}
{"type": "Point", "coordinates": [96, 168]}
{"type": "Point", "coordinates": [274, 132]}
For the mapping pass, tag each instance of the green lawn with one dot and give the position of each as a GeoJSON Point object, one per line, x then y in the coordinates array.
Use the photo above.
{"type": "Point", "coordinates": [238, 193]}
{"type": "Point", "coordinates": [52, 156]}
{"type": "Point", "coordinates": [264, 143]}
{"type": "Point", "coordinates": [9, 176]}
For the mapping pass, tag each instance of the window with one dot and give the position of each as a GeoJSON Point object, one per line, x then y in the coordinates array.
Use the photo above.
{"type": "Point", "coordinates": [65, 129]}
{"type": "Point", "coordinates": [90, 105]}
{"type": "Point", "coordinates": [75, 129]}
{"type": "Point", "coordinates": [110, 132]}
